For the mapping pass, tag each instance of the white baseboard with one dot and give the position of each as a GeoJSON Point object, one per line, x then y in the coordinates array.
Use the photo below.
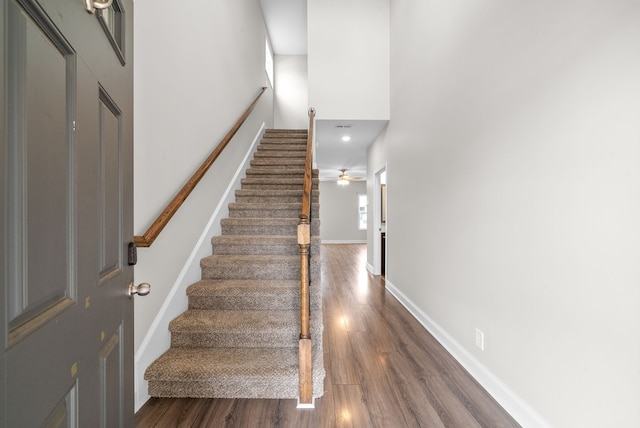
{"type": "Point", "coordinates": [522, 412]}
{"type": "Point", "coordinates": [158, 339]}
{"type": "Point", "coordinates": [370, 268]}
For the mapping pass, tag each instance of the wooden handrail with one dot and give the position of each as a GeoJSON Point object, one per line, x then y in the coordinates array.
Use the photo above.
{"type": "Point", "coordinates": [304, 241]}
{"type": "Point", "coordinates": [156, 227]}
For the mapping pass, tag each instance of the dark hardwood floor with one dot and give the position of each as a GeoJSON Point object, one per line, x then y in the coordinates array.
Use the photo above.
{"type": "Point", "coordinates": [383, 369]}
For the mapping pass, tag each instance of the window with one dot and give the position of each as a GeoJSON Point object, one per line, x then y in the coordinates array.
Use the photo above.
{"type": "Point", "coordinates": [268, 62]}
{"type": "Point", "coordinates": [362, 212]}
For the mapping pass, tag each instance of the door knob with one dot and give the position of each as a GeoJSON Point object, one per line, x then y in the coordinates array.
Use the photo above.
{"type": "Point", "coordinates": [92, 5]}
{"type": "Point", "coordinates": [141, 290]}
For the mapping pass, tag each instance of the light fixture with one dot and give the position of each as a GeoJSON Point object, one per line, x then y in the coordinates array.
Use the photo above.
{"type": "Point", "coordinates": [342, 181]}
{"type": "Point", "coordinates": [346, 138]}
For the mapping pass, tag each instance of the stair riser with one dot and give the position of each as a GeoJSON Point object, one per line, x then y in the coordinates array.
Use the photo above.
{"type": "Point", "coordinates": [256, 183]}
{"type": "Point", "coordinates": [285, 137]}
{"type": "Point", "coordinates": [275, 199]}
{"type": "Point", "coordinates": [276, 270]}
{"type": "Point", "coordinates": [302, 136]}
{"type": "Point", "coordinates": [230, 388]}
{"type": "Point", "coordinates": [273, 154]}
{"type": "Point", "coordinates": [245, 211]}
{"type": "Point", "coordinates": [259, 270]}
{"type": "Point", "coordinates": [255, 301]}
{"type": "Point", "coordinates": [221, 246]}
{"type": "Point", "coordinates": [298, 149]}
{"type": "Point", "coordinates": [278, 162]}
{"type": "Point", "coordinates": [277, 173]}
{"type": "Point", "coordinates": [283, 339]}
{"type": "Point", "coordinates": [204, 340]}
{"type": "Point", "coordinates": [242, 227]}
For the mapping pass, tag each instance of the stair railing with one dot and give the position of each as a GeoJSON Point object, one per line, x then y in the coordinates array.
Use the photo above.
{"type": "Point", "coordinates": [163, 219]}
{"type": "Point", "coordinates": [304, 241]}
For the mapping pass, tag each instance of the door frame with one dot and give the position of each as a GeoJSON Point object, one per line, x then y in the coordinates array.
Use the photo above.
{"type": "Point", "coordinates": [378, 226]}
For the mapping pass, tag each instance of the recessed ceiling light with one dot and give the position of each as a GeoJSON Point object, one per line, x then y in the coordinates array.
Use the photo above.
{"type": "Point", "coordinates": [346, 138]}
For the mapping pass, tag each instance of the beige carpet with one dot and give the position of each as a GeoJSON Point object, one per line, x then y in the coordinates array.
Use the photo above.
{"type": "Point", "coordinates": [239, 337]}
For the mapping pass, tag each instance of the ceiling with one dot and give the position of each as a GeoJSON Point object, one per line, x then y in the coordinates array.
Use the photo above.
{"type": "Point", "coordinates": [287, 25]}
{"type": "Point", "coordinates": [333, 154]}
{"type": "Point", "coordinates": [286, 22]}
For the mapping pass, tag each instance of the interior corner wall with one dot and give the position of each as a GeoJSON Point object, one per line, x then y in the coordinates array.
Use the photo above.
{"type": "Point", "coordinates": [514, 193]}
{"type": "Point", "coordinates": [348, 50]}
{"type": "Point", "coordinates": [197, 69]}
{"type": "Point", "coordinates": [339, 212]}
{"type": "Point", "coordinates": [291, 92]}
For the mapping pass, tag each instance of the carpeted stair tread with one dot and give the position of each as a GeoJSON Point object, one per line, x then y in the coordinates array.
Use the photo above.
{"type": "Point", "coordinates": [230, 373]}
{"type": "Point", "coordinates": [298, 149]}
{"type": "Point", "coordinates": [278, 162]}
{"type": "Point", "coordinates": [260, 183]}
{"type": "Point", "coordinates": [265, 226]}
{"type": "Point", "coordinates": [259, 244]}
{"type": "Point", "coordinates": [272, 196]}
{"type": "Point", "coordinates": [238, 328]}
{"type": "Point", "coordinates": [287, 154]}
{"type": "Point", "coordinates": [269, 210]}
{"type": "Point", "coordinates": [249, 321]}
{"type": "Point", "coordinates": [275, 172]}
{"type": "Point", "coordinates": [216, 364]}
{"type": "Point", "coordinates": [218, 259]}
{"type": "Point", "coordinates": [247, 294]}
{"type": "Point", "coordinates": [256, 266]}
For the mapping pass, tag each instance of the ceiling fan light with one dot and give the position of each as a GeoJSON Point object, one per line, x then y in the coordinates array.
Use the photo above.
{"type": "Point", "coordinates": [342, 182]}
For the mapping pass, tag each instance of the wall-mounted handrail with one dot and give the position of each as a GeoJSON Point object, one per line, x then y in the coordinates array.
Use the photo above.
{"type": "Point", "coordinates": [304, 241]}
{"type": "Point", "coordinates": [156, 227]}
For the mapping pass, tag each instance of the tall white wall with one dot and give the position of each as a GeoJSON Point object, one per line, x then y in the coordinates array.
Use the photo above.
{"type": "Point", "coordinates": [291, 92]}
{"type": "Point", "coordinates": [339, 212]}
{"type": "Point", "coordinates": [348, 51]}
{"type": "Point", "coordinates": [197, 68]}
{"type": "Point", "coordinates": [514, 194]}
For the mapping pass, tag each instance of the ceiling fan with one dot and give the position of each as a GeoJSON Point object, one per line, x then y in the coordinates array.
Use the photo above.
{"type": "Point", "coordinates": [344, 179]}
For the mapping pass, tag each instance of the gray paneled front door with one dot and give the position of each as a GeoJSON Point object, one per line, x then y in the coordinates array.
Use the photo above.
{"type": "Point", "coordinates": [67, 132]}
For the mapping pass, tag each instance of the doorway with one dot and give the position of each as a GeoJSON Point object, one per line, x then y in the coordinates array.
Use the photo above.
{"type": "Point", "coordinates": [380, 255]}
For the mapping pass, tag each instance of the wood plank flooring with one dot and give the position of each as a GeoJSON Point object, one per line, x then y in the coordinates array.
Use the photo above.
{"type": "Point", "coordinates": [383, 369]}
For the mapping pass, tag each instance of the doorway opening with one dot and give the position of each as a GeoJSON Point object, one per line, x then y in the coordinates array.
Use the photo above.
{"type": "Point", "coordinates": [380, 222]}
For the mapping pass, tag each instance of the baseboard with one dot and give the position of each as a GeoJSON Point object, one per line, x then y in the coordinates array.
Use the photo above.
{"type": "Point", "coordinates": [157, 340]}
{"type": "Point", "coordinates": [522, 412]}
{"type": "Point", "coordinates": [344, 241]}
{"type": "Point", "coordinates": [370, 268]}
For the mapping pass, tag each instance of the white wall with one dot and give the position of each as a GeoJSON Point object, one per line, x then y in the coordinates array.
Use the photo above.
{"type": "Point", "coordinates": [291, 92]}
{"type": "Point", "coordinates": [197, 69]}
{"type": "Point", "coordinates": [348, 50]}
{"type": "Point", "coordinates": [339, 212]}
{"type": "Point", "coordinates": [514, 194]}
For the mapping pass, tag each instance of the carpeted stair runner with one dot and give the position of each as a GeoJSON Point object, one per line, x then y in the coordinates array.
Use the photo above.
{"type": "Point", "coordinates": [239, 337]}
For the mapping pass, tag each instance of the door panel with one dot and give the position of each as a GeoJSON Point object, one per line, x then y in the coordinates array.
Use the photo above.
{"type": "Point", "coordinates": [110, 189]}
{"type": "Point", "coordinates": [39, 163]}
{"type": "Point", "coordinates": [67, 323]}
{"type": "Point", "coordinates": [111, 375]}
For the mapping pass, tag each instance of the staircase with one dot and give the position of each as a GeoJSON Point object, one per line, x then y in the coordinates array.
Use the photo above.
{"type": "Point", "coordinates": [239, 336]}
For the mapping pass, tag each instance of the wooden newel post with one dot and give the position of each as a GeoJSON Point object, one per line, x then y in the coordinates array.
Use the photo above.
{"type": "Point", "coordinates": [304, 349]}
